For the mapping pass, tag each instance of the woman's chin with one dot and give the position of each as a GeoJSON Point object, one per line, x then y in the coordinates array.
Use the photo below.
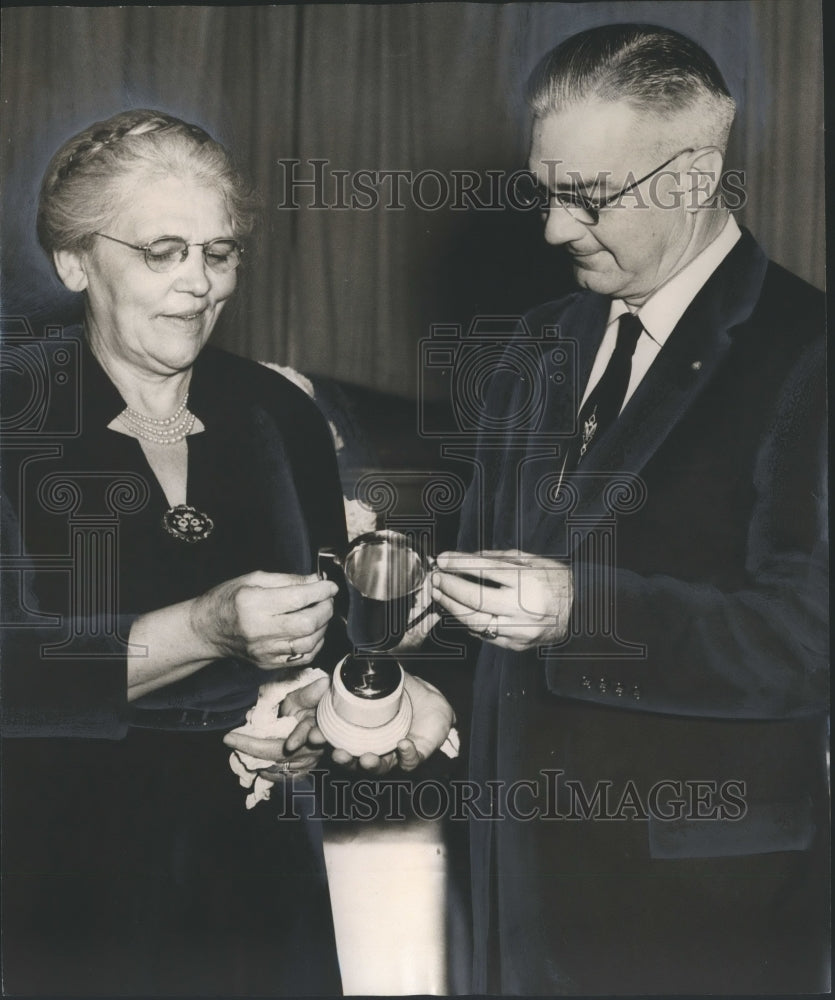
{"type": "Point", "coordinates": [180, 349]}
{"type": "Point", "coordinates": [173, 359]}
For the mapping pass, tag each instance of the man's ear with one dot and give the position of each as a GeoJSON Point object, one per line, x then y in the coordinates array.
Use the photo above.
{"type": "Point", "coordinates": [704, 178]}
{"type": "Point", "coordinates": [71, 270]}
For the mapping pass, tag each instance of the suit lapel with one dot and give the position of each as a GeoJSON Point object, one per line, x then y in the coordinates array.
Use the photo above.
{"type": "Point", "coordinates": [582, 327]}
{"type": "Point", "coordinates": [678, 376]}
{"type": "Point", "coordinates": [511, 508]}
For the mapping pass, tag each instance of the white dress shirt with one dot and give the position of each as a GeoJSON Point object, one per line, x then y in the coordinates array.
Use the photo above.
{"type": "Point", "coordinates": [662, 311]}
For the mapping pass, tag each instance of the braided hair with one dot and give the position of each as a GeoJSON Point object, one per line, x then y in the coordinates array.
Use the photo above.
{"type": "Point", "coordinates": [83, 185]}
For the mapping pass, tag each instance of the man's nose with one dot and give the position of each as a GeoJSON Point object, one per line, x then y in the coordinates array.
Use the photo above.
{"type": "Point", "coordinates": [193, 273]}
{"type": "Point", "coordinates": [561, 226]}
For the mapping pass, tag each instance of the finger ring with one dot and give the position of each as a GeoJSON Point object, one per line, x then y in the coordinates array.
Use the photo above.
{"type": "Point", "coordinates": [294, 657]}
{"type": "Point", "coordinates": [491, 632]}
{"type": "Point", "coordinates": [285, 767]}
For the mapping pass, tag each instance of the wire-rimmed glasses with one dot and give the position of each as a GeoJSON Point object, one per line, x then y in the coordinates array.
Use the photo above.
{"type": "Point", "coordinates": [575, 200]}
{"type": "Point", "coordinates": [167, 252]}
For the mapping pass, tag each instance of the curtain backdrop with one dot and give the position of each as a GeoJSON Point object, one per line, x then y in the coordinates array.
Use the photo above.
{"type": "Point", "coordinates": [434, 88]}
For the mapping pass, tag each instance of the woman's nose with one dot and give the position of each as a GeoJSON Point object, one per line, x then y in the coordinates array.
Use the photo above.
{"type": "Point", "coordinates": [193, 273]}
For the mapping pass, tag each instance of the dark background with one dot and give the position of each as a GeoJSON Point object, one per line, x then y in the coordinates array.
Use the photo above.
{"type": "Point", "coordinates": [349, 294]}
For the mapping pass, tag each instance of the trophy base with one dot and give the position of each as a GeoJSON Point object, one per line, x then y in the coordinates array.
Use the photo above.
{"type": "Point", "coordinates": [356, 739]}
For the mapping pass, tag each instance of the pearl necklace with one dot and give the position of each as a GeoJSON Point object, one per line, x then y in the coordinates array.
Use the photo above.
{"type": "Point", "coordinates": [168, 430]}
{"type": "Point", "coordinates": [182, 521]}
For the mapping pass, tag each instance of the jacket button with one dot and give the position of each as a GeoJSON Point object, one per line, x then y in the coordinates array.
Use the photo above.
{"type": "Point", "coordinates": [619, 689]}
{"type": "Point", "coordinates": [585, 682]}
{"type": "Point", "coordinates": [636, 693]}
{"type": "Point", "coordinates": [603, 685]}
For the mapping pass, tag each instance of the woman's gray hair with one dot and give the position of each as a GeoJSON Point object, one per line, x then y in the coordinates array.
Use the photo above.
{"type": "Point", "coordinates": [82, 189]}
{"type": "Point", "coordinates": [655, 69]}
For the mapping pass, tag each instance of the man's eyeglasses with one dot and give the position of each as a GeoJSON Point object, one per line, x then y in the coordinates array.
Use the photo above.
{"type": "Point", "coordinates": [167, 252]}
{"type": "Point", "coordinates": [575, 201]}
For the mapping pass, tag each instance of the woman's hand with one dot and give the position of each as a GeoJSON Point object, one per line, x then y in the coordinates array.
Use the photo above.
{"type": "Point", "coordinates": [269, 618]}
{"type": "Point", "coordinates": [432, 719]}
{"type": "Point", "coordinates": [298, 753]}
{"type": "Point", "coordinates": [510, 598]}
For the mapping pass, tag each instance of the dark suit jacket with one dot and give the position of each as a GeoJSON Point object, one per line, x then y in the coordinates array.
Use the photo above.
{"type": "Point", "coordinates": [677, 737]}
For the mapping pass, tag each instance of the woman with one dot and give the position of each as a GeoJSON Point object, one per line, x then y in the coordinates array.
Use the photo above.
{"type": "Point", "coordinates": [132, 866]}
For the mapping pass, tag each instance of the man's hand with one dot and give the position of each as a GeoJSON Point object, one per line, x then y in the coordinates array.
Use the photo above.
{"type": "Point", "coordinates": [510, 598]}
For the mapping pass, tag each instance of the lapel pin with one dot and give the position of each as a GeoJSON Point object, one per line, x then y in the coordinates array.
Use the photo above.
{"type": "Point", "coordinates": [696, 365]}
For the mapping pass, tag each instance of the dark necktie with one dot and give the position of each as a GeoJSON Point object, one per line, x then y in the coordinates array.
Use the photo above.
{"type": "Point", "coordinates": [604, 402]}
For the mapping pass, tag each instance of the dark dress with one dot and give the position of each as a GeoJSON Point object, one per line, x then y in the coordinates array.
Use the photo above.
{"type": "Point", "coordinates": [131, 866]}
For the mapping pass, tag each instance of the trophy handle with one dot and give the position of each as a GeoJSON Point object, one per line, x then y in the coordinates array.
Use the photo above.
{"type": "Point", "coordinates": [430, 607]}
{"type": "Point", "coordinates": [329, 567]}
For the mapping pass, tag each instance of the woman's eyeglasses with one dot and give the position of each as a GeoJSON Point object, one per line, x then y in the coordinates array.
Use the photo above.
{"type": "Point", "coordinates": [576, 202]}
{"type": "Point", "coordinates": [167, 252]}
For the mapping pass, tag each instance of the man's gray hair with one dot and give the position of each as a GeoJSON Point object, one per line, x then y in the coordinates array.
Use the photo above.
{"type": "Point", "coordinates": [658, 71]}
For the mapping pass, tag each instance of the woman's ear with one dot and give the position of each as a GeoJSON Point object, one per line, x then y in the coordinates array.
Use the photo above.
{"type": "Point", "coordinates": [71, 270]}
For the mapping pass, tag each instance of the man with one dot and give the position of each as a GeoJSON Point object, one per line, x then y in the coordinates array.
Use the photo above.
{"type": "Point", "coordinates": [650, 693]}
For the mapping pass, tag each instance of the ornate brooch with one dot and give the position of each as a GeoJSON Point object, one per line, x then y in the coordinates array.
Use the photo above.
{"type": "Point", "coordinates": [187, 523]}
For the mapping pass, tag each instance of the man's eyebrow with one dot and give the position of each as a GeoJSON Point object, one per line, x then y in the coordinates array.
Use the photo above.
{"type": "Point", "coordinates": [598, 184]}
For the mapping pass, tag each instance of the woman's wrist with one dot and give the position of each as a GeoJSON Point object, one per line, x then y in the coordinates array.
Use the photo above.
{"type": "Point", "coordinates": [205, 624]}
{"type": "Point", "coordinates": [167, 645]}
